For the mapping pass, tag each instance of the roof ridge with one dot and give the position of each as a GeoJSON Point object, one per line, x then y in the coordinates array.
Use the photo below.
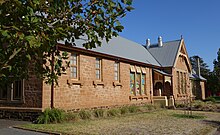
{"type": "Point", "coordinates": [168, 41]}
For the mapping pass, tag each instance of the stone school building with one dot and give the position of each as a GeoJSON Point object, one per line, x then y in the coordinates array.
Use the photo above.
{"type": "Point", "coordinates": [120, 72]}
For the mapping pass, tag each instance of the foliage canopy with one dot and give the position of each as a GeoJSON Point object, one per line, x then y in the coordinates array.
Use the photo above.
{"type": "Point", "coordinates": [30, 30]}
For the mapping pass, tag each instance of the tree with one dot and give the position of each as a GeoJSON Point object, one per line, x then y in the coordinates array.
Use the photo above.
{"type": "Point", "coordinates": [30, 30]}
{"type": "Point", "coordinates": [217, 65]}
{"type": "Point", "coordinates": [213, 83]}
{"type": "Point", "coordinates": [203, 66]}
{"type": "Point", "coordinates": [215, 76]}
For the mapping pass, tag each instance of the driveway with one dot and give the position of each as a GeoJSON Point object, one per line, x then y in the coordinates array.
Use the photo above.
{"type": "Point", "coordinates": [7, 129]}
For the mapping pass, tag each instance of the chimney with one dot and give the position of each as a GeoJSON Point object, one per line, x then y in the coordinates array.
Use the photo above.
{"type": "Point", "coordinates": [160, 42]}
{"type": "Point", "coordinates": [148, 43]}
{"type": "Point", "coordinates": [198, 66]}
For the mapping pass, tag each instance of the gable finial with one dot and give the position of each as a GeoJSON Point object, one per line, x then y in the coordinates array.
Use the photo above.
{"type": "Point", "coordinates": [181, 36]}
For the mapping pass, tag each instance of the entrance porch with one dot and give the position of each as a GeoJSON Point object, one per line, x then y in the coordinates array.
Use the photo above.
{"type": "Point", "coordinates": [162, 88]}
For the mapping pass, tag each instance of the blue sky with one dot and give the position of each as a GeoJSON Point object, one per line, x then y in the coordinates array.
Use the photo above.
{"type": "Point", "coordinates": [197, 20]}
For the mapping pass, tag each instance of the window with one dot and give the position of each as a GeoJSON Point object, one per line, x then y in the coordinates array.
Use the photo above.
{"type": "Point", "coordinates": [12, 91]}
{"type": "Point", "coordinates": [74, 66]}
{"type": "Point", "coordinates": [178, 81]}
{"type": "Point", "coordinates": [182, 83]}
{"type": "Point", "coordinates": [17, 89]}
{"type": "Point", "coordinates": [186, 82]}
{"type": "Point", "coordinates": [137, 80]}
{"type": "Point", "coordinates": [3, 92]}
{"type": "Point", "coordinates": [98, 68]}
{"type": "Point", "coordinates": [132, 82]}
{"type": "Point", "coordinates": [116, 71]}
{"type": "Point", "coordinates": [138, 83]}
{"type": "Point", "coordinates": [143, 83]}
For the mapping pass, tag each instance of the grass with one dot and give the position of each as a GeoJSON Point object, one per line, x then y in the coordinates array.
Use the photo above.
{"type": "Point", "coordinates": [113, 112]}
{"type": "Point", "coordinates": [157, 122]}
{"type": "Point", "coordinates": [85, 114]}
{"type": "Point", "coordinates": [99, 113]}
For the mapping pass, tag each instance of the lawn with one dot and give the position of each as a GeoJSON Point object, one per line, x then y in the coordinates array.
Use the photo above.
{"type": "Point", "coordinates": [153, 123]}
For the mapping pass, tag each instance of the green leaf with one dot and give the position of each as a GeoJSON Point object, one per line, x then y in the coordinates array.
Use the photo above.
{"type": "Point", "coordinates": [34, 19]}
{"type": "Point", "coordinates": [117, 22]}
{"type": "Point", "coordinates": [129, 8]}
{"type": "Point", "coordinates": [128, 2]}
{"type": "Point", "coordinates": [16, 28]}
{"type": "Point", "coordinates": [5, 33]}
{"type": "Point", "coordinates": [119, 28]}
{"type": "Point", "coordinates": [32, 41]}
{"type": "Point", "coordinates": [28, 56]}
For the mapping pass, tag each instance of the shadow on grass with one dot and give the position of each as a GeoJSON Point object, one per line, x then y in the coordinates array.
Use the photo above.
{"type": "Point", "coordinates": [212, 122]}
{"type": "Point", "coordinates": [188, 116]}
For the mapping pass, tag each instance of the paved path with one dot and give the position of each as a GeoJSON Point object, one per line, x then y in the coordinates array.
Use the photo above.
{"type": "Point", "coordinates": [6, 128]}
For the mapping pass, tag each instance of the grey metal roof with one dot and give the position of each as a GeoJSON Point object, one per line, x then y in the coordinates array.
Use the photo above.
{"type": "Point", "coordinates": [196, 77]}
{"type": "Point", "coordinates": [166, 54]}
{"type": "Point", "coordinates": [162, 72]}
{"type": "Point", "coordinates": [123, 48]}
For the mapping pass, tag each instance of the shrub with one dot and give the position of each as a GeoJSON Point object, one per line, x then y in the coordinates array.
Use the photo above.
{"type": "Point", "coordinates": [85, 114]}
{"type": "Point", "coordinates": [98, 113]}
{"type": "Point", "coordinates": [205, 106]}
{"type": "Point", "coordinates": [113, 112]}
{"type": "Point", "coordinates": [51, 116]}
{"type": "Point", "coordinates": [124, 110]}
{"type": "Point", "coordinates": [209, 106]}
{"type": "Point", "coordinates": [180, 105]}
{"type": "Point", "coordinates": [133, 109]}
{"type": "Point", "coordinates": [71, 116]}
{"type": "Point", "coordinates": [218, 106]}
{"type": "Point", "coordinates": [217, 98]}
{"type": "Point", "coordinates": [150, 107]}
{"type": "Point", "coordinates": [198, 104]}
{"type": "Point", "coordinates": [212, 99]}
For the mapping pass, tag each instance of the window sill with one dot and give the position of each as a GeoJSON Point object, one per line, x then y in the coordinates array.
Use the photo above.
{"type": "Point", "coordinates": [117, 84]}
{"type": "Point", "coordinates": [75, 82]}
{"type": "Point", "coordinates": [138, 97]}
{"type": "Point", "coordinates": [12, 101]}
{"type": "Point", "coordinates": [95, 83]}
